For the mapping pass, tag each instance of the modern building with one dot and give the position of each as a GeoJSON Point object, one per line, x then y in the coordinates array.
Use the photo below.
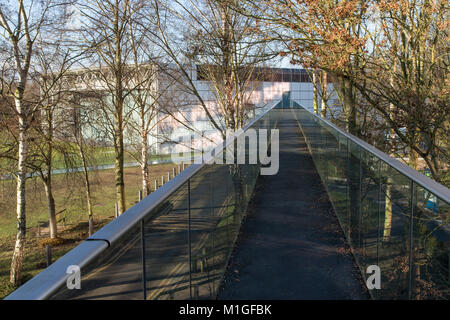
{"type": "Point", "coordinates": [179, 114]}
{"type": "Point", "coordinates": [271, 84]}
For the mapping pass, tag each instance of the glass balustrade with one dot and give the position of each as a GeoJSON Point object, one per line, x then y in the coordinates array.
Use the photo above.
{"type": "Point", "coordinates": [388, 212]}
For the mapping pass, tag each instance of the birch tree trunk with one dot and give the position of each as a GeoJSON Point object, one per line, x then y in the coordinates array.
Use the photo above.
{"type": "Point", "coordinates": [314, 82]}
{"type": "Point", "coordinates": [347, 90]}
{"type": "Point", "coordinates": [324, 99]}
{"type": "Point", "coordinates": [22, 65]}
{"type": "Point", "coordinates": [144, 160]}
{"type": "Point", "coordinates": [47, 176]}
{"type": "Point", "coordinates": [19, 247]}
{"type": "Point", "coordinates": [20, 26]}
{"type": "Point", "coordinates": [119, 161]}
{"type": "Point", "coordinates": [388, 212]}
{"type": "Point", "coordinates": [87, 184]}
{"type": "Point", "coordinates": [51, 207]}
{"type": "Point", "coordinates": [388, 202]}
{"type": "Point", "coordinates": [119, 104]}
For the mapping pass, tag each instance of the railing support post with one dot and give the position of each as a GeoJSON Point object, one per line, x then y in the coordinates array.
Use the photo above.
{"type": "Point", "coordinates": [189, 238]}
{"type": "Point", "coordinates": [360, 196]}
{"type": "Point", "coordinates": [48, 253]}
{"type": "Point", "coordinates": [411, 245]}
{"type": "Point", "coordinates": [379, 209]}
{"type": "Point", "coordinates": [144, 277]}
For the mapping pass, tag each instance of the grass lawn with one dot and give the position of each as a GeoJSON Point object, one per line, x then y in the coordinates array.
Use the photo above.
{"type": "Point", "coordinates": [102, 156]}
{"type": "Point", "coordinates": [70, 202]}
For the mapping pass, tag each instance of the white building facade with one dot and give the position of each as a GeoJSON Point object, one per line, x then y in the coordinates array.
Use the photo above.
{"type": "Point", "coordinates": [273, 84]}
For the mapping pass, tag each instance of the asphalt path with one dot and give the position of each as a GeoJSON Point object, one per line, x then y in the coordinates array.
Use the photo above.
{"type": "Point", "coordinates": [291, 246]}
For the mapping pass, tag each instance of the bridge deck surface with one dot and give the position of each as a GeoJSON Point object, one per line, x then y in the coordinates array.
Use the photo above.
{"type": "Point", "coordinates": [291, 245]}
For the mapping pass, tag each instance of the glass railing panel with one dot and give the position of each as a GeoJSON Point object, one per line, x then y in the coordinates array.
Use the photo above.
{"type": "Point", "coordinates": [354, 167]}
{"type": "Point", "coordinates": [115, 274]}
{"type": "Point", "coordinates": [338, 188]}
{"type": "Point", "coordinates": [322, 150]}
{"type": "Point", "coordinates": [388, 223]}
{"type": "Point", "coordinates": [430, 276]}
{"type": "Point", "coordinates": [366, 252]}
{"type": "Point", "coordinates": [167, 248]}
{"type": "Point", "coordinates": [273, 118]}
{"type": "Point", "coordinates": [395, 223]}
{"type": "Point", "coordinates": [209, 241]}
{"type": "Point", "coordinates": [331, 147]}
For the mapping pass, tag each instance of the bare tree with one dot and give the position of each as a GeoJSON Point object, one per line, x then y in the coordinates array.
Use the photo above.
{"type": "Point", "coordinates": [146, 96]}
{"type": "Point", "coordinates": [49, 132]}
{"type": "Point", "coordinates": [145, 119]}
{"type": "Point", "coordinates": [405, 79]}
{"type": "Point", "coordinates": [222, 44]}
{"type": "Point", "coordinates": [81, 117]}
{"type": "Point", "coordinates": [22, 26]}
{"type": "Point", "coordinates": [324, 34]}
{"type": "Point", "coordinates": [105, 32]}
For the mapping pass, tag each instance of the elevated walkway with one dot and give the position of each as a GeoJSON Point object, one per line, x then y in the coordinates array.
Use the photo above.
{"type": "Point", "coordinates": [336, 206]}
{"type": "Point", "coordinates": [291, 245]}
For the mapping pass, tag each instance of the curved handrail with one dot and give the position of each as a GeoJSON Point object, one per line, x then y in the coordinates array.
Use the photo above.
{"type": "Point", "coordinates": [43, 285]}
{"type": "Point", "coordinates": [434, 187]}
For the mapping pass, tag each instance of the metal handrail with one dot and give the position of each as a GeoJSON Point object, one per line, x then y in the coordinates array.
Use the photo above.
{"type": "Point", "coordinates": [434, 187]}
{"type": "Point", "coordinates": [43, 285]}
